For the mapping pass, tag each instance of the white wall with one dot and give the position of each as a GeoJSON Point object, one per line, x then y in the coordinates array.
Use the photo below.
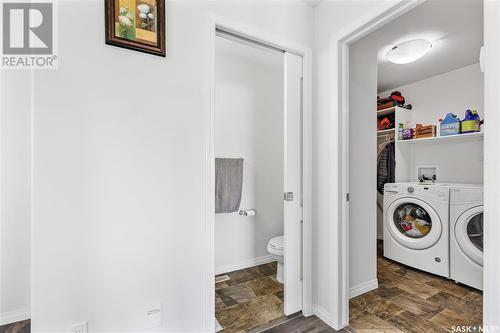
{"type": "Point", "coordinates": [362, 166]}
{"type": "Point", "coordinates": [118, 176]}
{"type": "Point", "coordinates": [331, 17]}
{"type": "Point", "coordinates": [433, 98]}
{"type": "Point", "coordinates": [15, 196]}
{"type": "Point", "coordinates": [249, 124]}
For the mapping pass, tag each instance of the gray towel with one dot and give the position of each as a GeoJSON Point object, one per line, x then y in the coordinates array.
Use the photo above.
{"type": "Point", "coordinates": [228, 184]}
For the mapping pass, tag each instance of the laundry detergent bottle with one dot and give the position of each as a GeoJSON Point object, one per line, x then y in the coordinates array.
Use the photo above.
{"type": "Point", "coordinates": [471, 123]}
{"type": "Point", "coordinates": [450, 125]}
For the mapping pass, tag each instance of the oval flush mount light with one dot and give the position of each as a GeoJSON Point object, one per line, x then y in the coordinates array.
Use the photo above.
{"type": "Point", "coordinates": [409, 51]}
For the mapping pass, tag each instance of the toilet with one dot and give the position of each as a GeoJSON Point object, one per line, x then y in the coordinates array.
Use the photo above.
{"type": "Point", "coordinates": [276, 247]}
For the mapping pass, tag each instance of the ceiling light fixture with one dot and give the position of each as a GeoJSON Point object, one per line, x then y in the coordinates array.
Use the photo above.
{"type": "Point", "coordinates": [409, 51]}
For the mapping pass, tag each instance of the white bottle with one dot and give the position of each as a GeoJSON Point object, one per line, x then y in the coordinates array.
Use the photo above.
{"type": "Point", "coordinates": [438, 127]}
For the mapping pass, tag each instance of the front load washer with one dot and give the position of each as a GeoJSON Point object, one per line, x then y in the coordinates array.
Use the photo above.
{"type": "Point", "coordinates": [416, 228]}
{"type": "Point", "coordinates": [466, 235]}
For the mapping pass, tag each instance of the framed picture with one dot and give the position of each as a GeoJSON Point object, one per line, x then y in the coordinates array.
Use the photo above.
{"type": "Point", "coordinates": [137, 25]}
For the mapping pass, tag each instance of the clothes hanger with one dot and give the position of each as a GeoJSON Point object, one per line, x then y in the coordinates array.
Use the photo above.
{"type": "Point", "coordinates": [388, 139]}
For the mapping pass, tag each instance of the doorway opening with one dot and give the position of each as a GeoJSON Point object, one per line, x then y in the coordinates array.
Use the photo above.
{"type": "Point", "coordinates": [415, 206]}
{"type": "Point", "coordinates": [260, 155]}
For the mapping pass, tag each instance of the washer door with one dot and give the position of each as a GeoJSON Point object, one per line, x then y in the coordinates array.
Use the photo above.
{"type": "Point", "coordinates": [413, 223]}
{"type": "Point", "coordinates": [469, 234]}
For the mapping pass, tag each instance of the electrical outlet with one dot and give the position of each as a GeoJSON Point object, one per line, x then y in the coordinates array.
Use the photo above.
{"type": "Point", "coordinates": [79, 328]}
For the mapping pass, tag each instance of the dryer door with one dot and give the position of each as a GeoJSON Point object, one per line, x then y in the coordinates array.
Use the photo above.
{"type": "Point", "coordinates": [413, 223]}
{"type": "Point", "coordinates": [469, 234]}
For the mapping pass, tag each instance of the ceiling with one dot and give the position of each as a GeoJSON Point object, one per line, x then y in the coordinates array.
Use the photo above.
{"type": "Point", "coordinates": [455, 28]}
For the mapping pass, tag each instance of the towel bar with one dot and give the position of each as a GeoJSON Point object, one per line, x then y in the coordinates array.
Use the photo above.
{"type": "Point", "coordinates": [248, 212]}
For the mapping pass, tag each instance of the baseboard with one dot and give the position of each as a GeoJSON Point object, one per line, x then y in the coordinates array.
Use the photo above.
{"type": "Point", "coordinates": [321, 313]}
{"type": "Point", "coordinates": [14, 316]}
{"type": "Point", "coordinates": [244, 264]}
{"type": "Point", "coordinates": [363, 288]}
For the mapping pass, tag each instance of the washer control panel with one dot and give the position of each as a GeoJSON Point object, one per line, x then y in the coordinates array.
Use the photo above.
{"type": "Point", "coordinates": [416, 189]}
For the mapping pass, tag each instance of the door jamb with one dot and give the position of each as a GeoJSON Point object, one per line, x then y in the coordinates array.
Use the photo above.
{"type": "Point", "coordinates": [491, 266]}
{"type": "Point", "coordinates": [339, 153]}
{"type": "Point", "coordinates": [339, 150]}
{"type": "Point", "coordinates": [214, 21]}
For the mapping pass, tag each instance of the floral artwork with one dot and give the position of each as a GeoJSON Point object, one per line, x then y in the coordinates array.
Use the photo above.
{"type": "Point", "coordinates": [136, 24]}
{"type": "Point", "coordinates": [126, 24]}
{"type": "Point", "coordinates": [146, 17]}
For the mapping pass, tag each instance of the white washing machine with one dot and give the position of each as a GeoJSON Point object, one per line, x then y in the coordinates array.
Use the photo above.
{"type": "Point", "coordinates": [416, 227]}
{"type": "Point", "coordinates": [466, 235]}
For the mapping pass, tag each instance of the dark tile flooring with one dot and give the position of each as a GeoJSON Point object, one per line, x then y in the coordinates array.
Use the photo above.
{"type": "Point", "coordinates": [302, 324]}
{"type": "Point", "coordinates": [19, 327]}
{"type": "Point", "coordinates": [298, 324]}
{"type": "Point", "coordinates": [409, 300]}
{"type": "Point", "coordinates": [251, 299]}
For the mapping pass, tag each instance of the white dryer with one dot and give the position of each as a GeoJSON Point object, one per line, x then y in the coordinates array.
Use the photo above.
{"type": "Point", "coordinates": [466, 235]}
{"type": "Point", "coordinates": [416, 226]}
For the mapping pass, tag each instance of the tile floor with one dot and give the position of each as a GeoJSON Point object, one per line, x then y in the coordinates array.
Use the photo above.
{"type": "Point", "coordinates": [409, 300]}
{"type": "Point", "coordinates": [301, 324]}
{"type": "Point", "coordinates": [252, 298]}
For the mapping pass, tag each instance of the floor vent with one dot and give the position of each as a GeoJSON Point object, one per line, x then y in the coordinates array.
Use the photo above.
{"type": "Point", "coordinates": [222, 278]}
{"type": "Point", "coordinates": [218, 326]}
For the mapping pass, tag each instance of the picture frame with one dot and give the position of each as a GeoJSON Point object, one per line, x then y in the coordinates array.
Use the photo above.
{"type": "Point", "coordinates": [136, 25]}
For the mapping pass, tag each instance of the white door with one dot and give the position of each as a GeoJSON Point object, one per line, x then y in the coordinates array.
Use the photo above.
{"type": "Point", "coordinates": [293, 184]}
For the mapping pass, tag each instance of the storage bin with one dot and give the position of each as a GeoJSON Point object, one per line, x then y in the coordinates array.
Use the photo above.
{"type": "Point", "coordinates": [450, 125]}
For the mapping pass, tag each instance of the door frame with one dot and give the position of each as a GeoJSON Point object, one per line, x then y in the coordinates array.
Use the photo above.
{"type": "Point", "coordinates": [213, 22]}
{"type": "Point", "coordinates": [339, 155]}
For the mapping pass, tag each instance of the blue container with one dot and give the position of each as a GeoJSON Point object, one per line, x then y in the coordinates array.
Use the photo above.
{"type": "Point", "coordinates": [450, 125]}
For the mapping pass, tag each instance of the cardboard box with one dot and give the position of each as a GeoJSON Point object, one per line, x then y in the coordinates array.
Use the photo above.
{"type": "Point", "coordinates": [428, 131]}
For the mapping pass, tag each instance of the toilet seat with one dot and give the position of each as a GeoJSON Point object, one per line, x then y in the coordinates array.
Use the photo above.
{"type": "Point", "coordinates": [277, 242]}
{"type": "Point", "coordinates": [276, 246]}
